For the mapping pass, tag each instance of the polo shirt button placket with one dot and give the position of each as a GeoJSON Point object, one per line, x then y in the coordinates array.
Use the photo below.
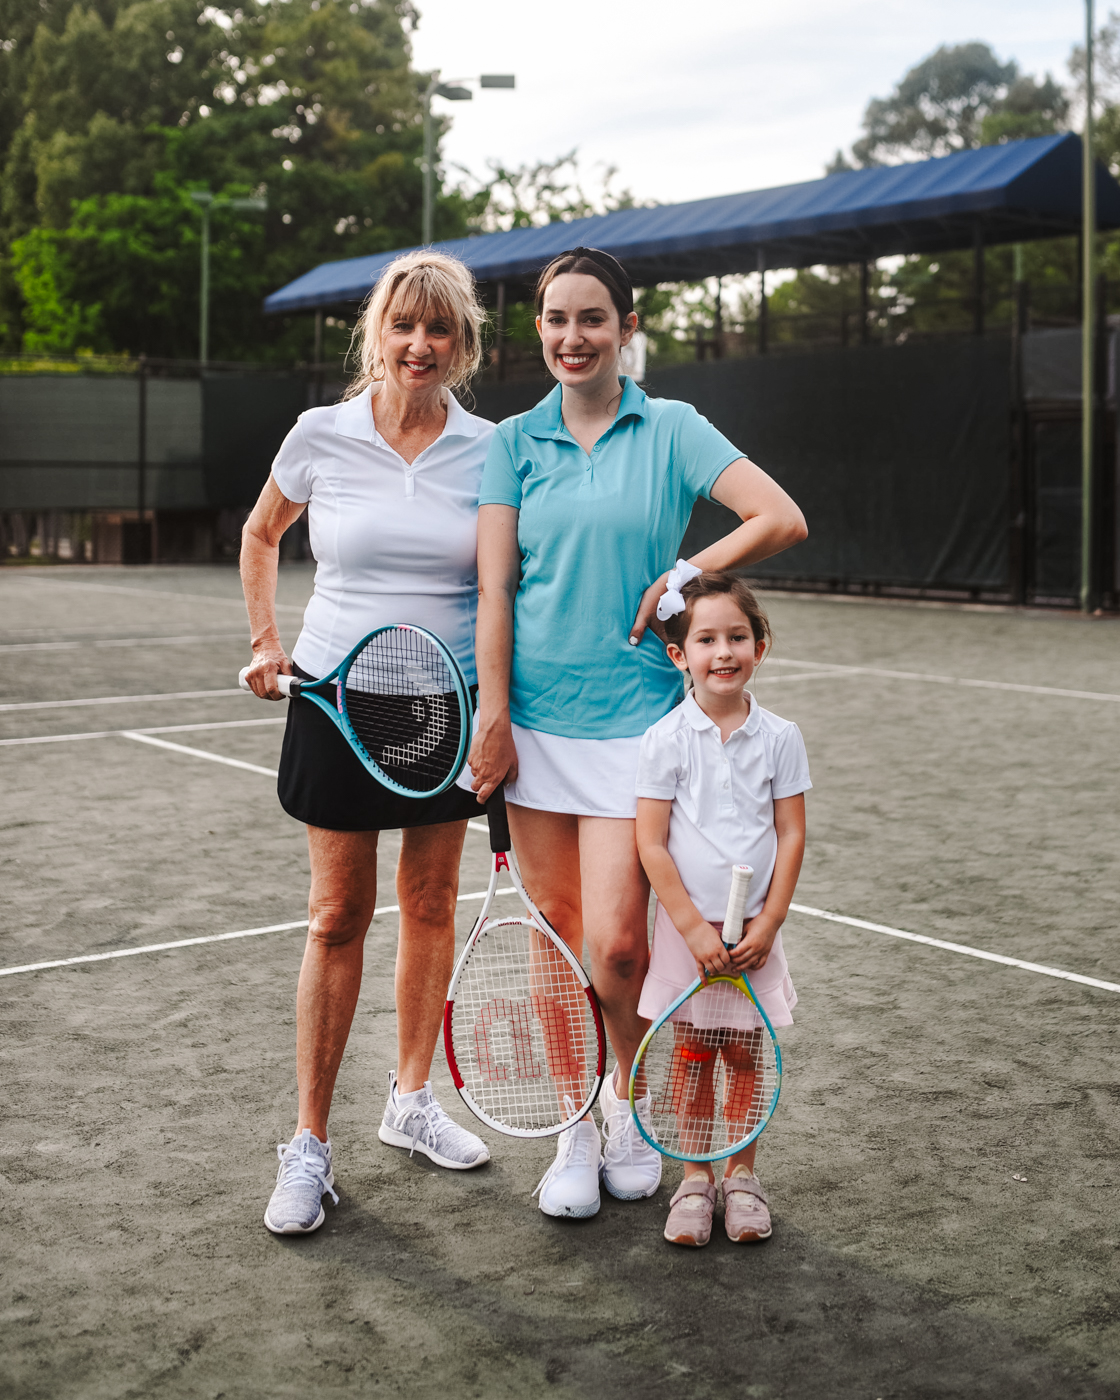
{"type": "Point", "coordinates": [409, 482]}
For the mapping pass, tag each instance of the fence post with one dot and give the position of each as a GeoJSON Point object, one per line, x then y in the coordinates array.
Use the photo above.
{"type": "Point", "coordinates": [1020, 534]}
{"type": "Point", "coordinates": [763, 307]}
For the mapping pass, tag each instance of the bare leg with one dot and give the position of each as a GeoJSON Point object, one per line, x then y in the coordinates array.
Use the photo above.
{"type": "Point", "coordinates": [584, 874]}
{"type": "Point", "coordinates": [427, 887]}
{"type": "Point", "coordinates": [340, 907]}
{"type": "Point", "coordinates": [615, 894]}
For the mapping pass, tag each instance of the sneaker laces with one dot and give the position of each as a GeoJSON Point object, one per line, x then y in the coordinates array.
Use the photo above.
{"type": "Point", "coordinates": [623, 1140]}
{"type": "Point", "coordinates": [430, 1115]}
{"type": "Point", "coordinates": [574, 1149]}
{"type": "Point", "coordinates": [301, 1165]}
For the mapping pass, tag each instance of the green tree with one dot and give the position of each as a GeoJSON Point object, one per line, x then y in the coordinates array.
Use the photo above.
{"type": "Point", "coordinates": [126, 105]}
{"type": "Point", "coordinates": [957, 98]}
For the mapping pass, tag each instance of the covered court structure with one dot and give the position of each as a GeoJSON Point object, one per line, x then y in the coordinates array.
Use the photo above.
{"type": "Point", "coordinates": [947, 468]}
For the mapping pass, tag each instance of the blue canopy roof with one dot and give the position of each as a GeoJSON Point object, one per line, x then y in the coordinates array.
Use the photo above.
{"type": "Point", "coordinates": [1015, 192]}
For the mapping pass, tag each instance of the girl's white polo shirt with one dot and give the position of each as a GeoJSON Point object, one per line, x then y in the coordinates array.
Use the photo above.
{"type": "Point", "coordinates": [393, 542]}
{"type": "Point", "coordinates": [723, 796]}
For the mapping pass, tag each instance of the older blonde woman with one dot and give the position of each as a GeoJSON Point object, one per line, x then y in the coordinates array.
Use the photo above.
{"type": "Point", "coordinates": [390, 480]}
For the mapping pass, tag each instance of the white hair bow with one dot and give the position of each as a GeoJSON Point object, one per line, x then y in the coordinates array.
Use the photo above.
{"type": "Point", "coordinates": [671, 601]}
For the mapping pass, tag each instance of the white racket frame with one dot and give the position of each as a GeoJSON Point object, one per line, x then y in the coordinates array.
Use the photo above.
{"type": "Point", "coordinates": [505, 860]}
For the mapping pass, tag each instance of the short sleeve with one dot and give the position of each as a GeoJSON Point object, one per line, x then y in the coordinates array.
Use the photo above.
{"type": "Point", "coordinates": [659, 765]}
{"type": "Point", "coordinates": [700, 451]}
{"type": "Point", "coordinates": [791, 763]}
{"type": "Point", "coordinates": [501, 481]}
{"type": "Point", "coordinates": [292, 468]}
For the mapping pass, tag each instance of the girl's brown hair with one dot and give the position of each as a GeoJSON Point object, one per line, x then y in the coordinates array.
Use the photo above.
{"type": "Point", "coordinates": [594, 263]}
{"type": "Point", "coordinates": [714, 585]}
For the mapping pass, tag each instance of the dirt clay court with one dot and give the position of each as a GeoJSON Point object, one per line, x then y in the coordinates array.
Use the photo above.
{"type": "Point", "coordinates": [943, 1165]}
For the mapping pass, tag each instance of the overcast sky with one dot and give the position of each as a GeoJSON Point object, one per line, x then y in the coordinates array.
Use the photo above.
{"type": "Point", "coordinates": [695, 99]}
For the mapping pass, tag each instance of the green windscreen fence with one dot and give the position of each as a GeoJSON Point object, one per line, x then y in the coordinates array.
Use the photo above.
{"type": "Point", "coordinates": [898, 455]}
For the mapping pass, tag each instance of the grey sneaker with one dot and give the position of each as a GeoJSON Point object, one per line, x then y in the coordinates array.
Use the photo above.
{"type": "Point", "coordinates": [417, 1121]}
{"type": "Point", "coordinates": [305, 1176]}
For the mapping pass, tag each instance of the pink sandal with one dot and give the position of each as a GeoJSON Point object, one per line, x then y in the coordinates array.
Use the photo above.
{"type": "Point", "coordinates": [690, 1212]}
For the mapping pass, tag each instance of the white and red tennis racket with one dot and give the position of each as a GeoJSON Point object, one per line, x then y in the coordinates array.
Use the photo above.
{"type": "Point", "coordinates": [522, 1026]}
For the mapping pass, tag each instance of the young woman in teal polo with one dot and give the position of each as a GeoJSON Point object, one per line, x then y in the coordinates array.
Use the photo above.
{"type": "Point", "coordinates": [583, 507]}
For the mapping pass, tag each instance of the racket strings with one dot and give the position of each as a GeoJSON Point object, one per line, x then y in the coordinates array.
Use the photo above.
{"type": "Point", "coordinates": [522, 1029]}
{"type": "Point", "coordinates": [712, 1073]}
{"type": "Point", "coordinates": [402, 701]}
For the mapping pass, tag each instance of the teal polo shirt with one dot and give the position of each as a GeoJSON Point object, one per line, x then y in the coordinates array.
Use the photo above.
{"type": "Point", "coordinates": [594, 532]}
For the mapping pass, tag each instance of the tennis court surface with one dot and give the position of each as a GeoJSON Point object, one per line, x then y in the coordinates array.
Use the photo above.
{"type": "Point", "coordinates": [943, 1166]}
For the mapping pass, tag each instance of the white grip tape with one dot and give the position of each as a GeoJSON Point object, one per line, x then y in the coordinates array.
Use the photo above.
{"type": "Point", "coordinates": [741, 876]}
{"type": "Point", "coordinates": [283, 683]}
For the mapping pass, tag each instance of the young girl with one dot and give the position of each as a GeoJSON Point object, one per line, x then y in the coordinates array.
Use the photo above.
{"type": "Point", "coordinates": [721, 781]}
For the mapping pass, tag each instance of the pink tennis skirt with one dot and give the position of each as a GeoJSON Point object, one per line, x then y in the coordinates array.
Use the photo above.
{"type": "Point", "coordinates": [672, 969]}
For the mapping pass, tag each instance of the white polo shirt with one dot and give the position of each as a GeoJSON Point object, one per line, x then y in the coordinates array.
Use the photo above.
{"type": "Point", "coordinates": [393, 542]}
{"type": "Point", "coordinates": [723, 796]}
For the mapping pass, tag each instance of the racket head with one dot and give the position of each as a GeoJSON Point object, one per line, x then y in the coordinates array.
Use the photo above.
{"type": "Point", "coordinates": [522, 1030]}
{"type": "Point", "coordinates": [402, 702]}
{"type": "Point", "coordinates": [713, 1067]}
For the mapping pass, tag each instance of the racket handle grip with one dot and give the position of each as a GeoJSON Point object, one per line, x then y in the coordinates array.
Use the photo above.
{"type": "Point", "coordinates": [498, 821]}
{"type": "Point", "coordinates": [741, 876]}
{"type": "Point", "coordinates": [287, 685]}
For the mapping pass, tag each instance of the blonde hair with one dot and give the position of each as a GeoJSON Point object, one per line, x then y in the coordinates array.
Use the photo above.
{"type": "Point", "coordinates": [415, 287]}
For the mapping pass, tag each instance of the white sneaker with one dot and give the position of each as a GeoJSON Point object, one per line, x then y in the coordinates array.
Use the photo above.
{"type": "Point", "coordinates": [570, 1187]}
{"type": "Point", "coordinates": [418, 1122]}
{"type": "Point", "coordinates": [304, 1178]}
{"type": "Point", "coordinates": [631, 1167]}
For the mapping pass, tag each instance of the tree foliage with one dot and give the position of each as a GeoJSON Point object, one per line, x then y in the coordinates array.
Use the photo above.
{"type": "Point", "coordinates": [113, 110]}
{"type": "Point", "coordinates": [957, 98]}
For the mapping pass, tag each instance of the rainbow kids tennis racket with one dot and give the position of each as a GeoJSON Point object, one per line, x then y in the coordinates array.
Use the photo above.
{"type": "Point", "coordinates": [711, 1061]}
{"type": "Point", "coordinates": [522, 1027]}
{"type": "Point", "coordinates": [401, 703]}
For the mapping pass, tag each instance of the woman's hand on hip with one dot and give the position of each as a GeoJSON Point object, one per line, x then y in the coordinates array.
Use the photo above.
{"type": "Point", "coordinates": [647, 612]}
{"type": "Point", "coordinates": [493, 757]}
{"type": "Point", "coordinates": [269, 661]}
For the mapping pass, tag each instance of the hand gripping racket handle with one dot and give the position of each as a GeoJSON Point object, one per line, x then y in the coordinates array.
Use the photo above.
{"type": "Point", "coordinates": [741, 876]}
{"type": "Point", "coordinates": [287, 685]}
{"type": "Point", "coordinates": [500, 842]}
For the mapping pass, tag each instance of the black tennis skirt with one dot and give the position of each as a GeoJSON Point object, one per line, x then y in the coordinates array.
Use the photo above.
{"type": "Point", "coordinates": [323, 783]}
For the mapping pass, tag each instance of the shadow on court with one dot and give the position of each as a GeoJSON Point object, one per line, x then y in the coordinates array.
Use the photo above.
{"type": "Point", "coordinates": [942, 1165]}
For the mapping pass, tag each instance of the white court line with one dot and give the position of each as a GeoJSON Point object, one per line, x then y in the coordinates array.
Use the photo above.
{"type": "Point", "coordinates": [120, 699]}
{"type": "Point", "coordinates": [122, 642]}
{"type": "Point", "coordinates": [147, 593]}
{"type": "Point", "coordinates": [115, 733]}
{"type": "Point", "coordinates": [956, 948]}
{"type": "Point", "coordinates": [197, 753]}
{"type": "Point", "coordinates": [210, 938]}
{"type": "Point", "coordinates": [830, 669]}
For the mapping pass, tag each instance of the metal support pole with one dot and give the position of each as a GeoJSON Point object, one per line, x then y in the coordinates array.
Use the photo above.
{"type": "Point", "coordinates": [763, 306]}
{"type": "Point", "coordinates": [204, 295]}
{"type": "Point", "coordinates": [1088, 319]}
{"type": "Point", "coordinates": [978, 278]}
{"type": "Point", "coordinates": [1020, 534]}
{"type": "Point", "coordinates": [864, 303]}
{"type": "Point", "coordinates": [317, 355]}
{"type": "Point", "coordinates": [144, 538]}
{"type": "Point", "coordinates": [500, 331]}
{"type": "Point", "coordinates": [717, 328]}
{"type": "Point", "coordinates": [426, 221]}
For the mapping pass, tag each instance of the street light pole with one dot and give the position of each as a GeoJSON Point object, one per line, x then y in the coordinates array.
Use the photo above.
{"type": "Point", "coordinates": [206, 202]}
{"type": "Point", "coordinates": [453, 92]}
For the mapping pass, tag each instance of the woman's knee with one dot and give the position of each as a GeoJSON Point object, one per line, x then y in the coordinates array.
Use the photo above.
{"type": "Point", "coordinates": [621, 958]}
{"type": "Point", "coordinates": [334, 923]}
{"type": "Point", "coordinates": [427, 901]}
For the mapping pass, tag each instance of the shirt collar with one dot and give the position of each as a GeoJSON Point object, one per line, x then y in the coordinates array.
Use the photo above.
{"type": "Point", "coordinates": [699, 720]}
{"type": "Point", "coordinates": [354, 418]}
{"type": "Point", "coordinates": [547, 420]}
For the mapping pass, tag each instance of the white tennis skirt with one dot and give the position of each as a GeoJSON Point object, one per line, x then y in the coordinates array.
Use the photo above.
{"type": "Point", "coordinates": [585, 777]}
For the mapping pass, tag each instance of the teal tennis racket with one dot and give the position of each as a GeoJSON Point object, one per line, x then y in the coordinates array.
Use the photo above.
{"type": "Point", "coordinates": [402, 704]}
{"type": "Point", "coordinates": [711, 1062]}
